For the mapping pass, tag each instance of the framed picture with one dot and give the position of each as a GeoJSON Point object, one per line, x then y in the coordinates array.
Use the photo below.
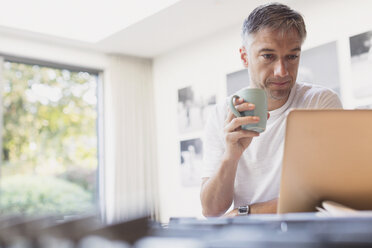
{"type": "Point", "coordinates": [191, 162]}
{"type": "Point", "coordinates": [361, 64]}
{"type": "Point", "coordinates": [194, 103]}
{"type": "Point", "coordinates": [236, 81]}
{"type": "Point", "coordinates": [320, 65]}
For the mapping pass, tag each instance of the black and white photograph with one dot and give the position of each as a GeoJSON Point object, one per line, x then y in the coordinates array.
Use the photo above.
{"type": "Point", "coordinates": [191, 162]}
{"type": "Point", "coordinates": [194, 103]}
{"type": "Point", "coordinates": [361, 64]}
{"type": "Point", "coordinates": [236, 81]}
{"type": "Point", "coordinates": [320, 65]}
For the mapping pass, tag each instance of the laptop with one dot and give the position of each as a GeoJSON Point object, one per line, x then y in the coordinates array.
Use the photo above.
{"type": "Point", "coordinates": [327, 157]}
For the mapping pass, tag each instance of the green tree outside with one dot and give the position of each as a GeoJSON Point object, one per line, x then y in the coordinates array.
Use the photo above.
{"type": "Point", "coordinates": [49, 129]}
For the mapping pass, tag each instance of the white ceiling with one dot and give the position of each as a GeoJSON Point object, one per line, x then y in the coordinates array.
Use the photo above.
{"type": "Point", "coordinates": [84, 20]}
{"type": "Point", "coordinates": [181, 23]}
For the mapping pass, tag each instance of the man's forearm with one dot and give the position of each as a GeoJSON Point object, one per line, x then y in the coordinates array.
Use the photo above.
{"type": "Point", "coordinates": [268, 207]}
{"type": "Point", "coordinates": [217, 193]}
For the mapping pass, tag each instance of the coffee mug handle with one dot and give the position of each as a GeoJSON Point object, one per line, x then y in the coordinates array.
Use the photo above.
{"type": "Point", "coordinates": [232, 106]}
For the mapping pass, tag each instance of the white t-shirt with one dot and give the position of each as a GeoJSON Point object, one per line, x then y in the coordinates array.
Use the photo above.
{"type": "Point", "coordinates": [259, 168]}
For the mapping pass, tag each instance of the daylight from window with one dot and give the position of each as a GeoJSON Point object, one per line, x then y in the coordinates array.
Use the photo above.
{"type": "Point", "coordinates": [49, 140]}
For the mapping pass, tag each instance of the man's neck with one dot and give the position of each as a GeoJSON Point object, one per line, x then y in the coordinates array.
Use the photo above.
{"type": "Point", "coordinates": [273, 104]}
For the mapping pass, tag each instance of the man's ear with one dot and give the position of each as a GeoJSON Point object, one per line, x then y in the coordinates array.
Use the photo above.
{"type": "Point", "coordinates": [244, 56]}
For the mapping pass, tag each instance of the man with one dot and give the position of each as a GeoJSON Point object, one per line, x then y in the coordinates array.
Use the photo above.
{"type": "Point", "coordinates": [244, 166]}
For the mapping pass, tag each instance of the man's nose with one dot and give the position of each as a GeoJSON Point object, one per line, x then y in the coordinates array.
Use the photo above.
{"type": "Point", "coordinates": [281, 69]}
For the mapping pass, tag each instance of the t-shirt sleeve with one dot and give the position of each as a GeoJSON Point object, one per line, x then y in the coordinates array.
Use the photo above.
{"type": "Point", "coordinates": [213, 142]}
{"type": "Point", "coordinates": [330, 100]}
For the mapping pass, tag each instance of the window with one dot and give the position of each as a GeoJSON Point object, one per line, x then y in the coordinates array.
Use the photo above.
{"type": "Point", "coordinates": [49, 139]}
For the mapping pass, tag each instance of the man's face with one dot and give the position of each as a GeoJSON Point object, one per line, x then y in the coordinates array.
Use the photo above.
{"type": "Point", "coordinates": [272, 60]}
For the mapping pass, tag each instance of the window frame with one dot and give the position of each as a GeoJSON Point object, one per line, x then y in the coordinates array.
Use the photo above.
{"type": "Point", "coordinates": [99, 194]}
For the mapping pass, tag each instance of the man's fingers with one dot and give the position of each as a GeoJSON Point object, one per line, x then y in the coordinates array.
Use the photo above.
{"type": "Point", "coordinates": [235, 136]}
{"type": "Point", "coordinates": [245, 106]}
{"type": "Point", "coordinates": [229, 118]}
{"type": "Point", "coordinates": [230, 114]}
{"type": "Point", "coordinates": [240, 106]}
{"type": "Point", "coordinates": [237, 122]}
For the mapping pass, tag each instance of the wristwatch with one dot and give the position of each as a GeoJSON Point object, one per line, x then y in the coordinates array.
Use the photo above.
{"type": "Point", "coordinates": [243, 210]}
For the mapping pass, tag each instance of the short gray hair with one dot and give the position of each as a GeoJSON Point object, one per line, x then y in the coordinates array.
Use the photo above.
{"type": "Point", "coordinates": [275, 16]}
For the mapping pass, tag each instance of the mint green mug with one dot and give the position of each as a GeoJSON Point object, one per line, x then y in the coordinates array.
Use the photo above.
{"type": "Point", "coordinates": [259, 99]}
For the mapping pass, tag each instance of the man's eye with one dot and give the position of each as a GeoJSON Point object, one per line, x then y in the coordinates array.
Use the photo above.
{"type": "Point", "coordinates": [268, 56]}
{"type": "Point", "coordinates": [292, 57]}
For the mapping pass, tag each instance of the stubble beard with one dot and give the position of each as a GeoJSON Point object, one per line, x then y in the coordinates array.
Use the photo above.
{"type": "Point", "coordinates": [278, 95]}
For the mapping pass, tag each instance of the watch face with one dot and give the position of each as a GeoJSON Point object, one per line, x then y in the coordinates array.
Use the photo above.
{"type": "Point", "coordinates": [243, 210]}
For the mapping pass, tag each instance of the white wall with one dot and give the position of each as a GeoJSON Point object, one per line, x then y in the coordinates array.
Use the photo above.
{"type": "Point", "coordinates": [209, 60]}
{"type": "Point", "coordinates": [206, 62]}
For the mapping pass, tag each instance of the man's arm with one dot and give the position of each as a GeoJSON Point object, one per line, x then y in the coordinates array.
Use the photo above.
{"type": "Point", "coordinates": [217, 191]}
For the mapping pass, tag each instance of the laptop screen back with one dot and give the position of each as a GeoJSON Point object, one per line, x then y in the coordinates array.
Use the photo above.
{"type": "Point", "coordinates": [327, 156]}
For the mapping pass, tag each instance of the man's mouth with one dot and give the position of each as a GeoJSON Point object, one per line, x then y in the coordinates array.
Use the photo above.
{"type": "Point", "coordinates": [279, 84]}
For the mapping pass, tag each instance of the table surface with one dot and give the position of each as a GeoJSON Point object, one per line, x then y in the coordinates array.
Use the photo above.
{"type": "Point", "coordinates": [271, 230]}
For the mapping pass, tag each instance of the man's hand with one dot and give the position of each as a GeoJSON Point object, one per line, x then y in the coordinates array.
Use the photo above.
{"type": "Point", "coordinates": [237, 139]}
{"type": "Point", "coordinates": [269, 207]}
{"type": "Point", "coordinates": [232, 213]}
